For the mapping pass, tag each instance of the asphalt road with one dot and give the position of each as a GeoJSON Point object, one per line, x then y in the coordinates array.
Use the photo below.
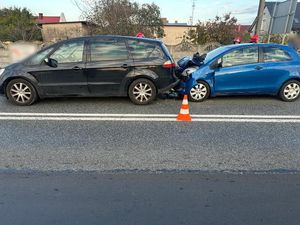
{"type": "Point", "coordinates": [107, 161]}
{"type": "Point", "coordinates": [138, 198]}
{"type": "Point", "coordinates": [104, 145]}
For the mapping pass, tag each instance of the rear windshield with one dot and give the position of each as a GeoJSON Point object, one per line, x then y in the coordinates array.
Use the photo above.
{"type": "Point", "coordinates": [145, 50]}
{"type": "Point", "coordinates": [166, 50]}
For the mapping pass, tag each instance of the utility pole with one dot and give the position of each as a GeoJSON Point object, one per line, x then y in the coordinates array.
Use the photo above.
{"type": "Point", "coordinates": [260, 15]}
{"type": "Point", "coordinates": [193, 12]}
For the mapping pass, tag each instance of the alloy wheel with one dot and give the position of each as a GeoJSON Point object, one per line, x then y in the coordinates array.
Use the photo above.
{"type": "Point", "coordinates": [20, 92]}
{"type": "Point", "coordinates": [142, 92]}
{"type": "Point", "coordinates": [291, 91]}
{"type": "Point", "coordinates": [198, 92]}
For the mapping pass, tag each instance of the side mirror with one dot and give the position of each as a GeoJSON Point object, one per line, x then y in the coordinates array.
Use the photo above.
{"type": "Point", "coordinates": [220, 63]}
{"type": "Point", "coordinates": [51, 62]}
{"type": "Point", "coordinates": [217, 64]}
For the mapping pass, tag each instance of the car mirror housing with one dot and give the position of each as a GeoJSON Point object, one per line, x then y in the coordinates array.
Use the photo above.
{"type": "Point", "coordinates": [217, 64]}
{"type": "Point", "coordinates": [51, 62]}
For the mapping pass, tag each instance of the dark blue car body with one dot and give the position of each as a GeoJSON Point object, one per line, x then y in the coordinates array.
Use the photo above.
{"type": "Point", "coordinates": [266, 76]}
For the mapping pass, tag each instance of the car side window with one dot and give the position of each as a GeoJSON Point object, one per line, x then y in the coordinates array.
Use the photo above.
{"type": "Point", "coordinates": [70, 52]}
{"type": "Point", "coordinates": [241, 57]}
{"type": "Point", "coordinates": [273, 54]}
{"type": "Point", "coordinates": [145, 50]}
{"type": "Point", "coordinates": [108, 50]}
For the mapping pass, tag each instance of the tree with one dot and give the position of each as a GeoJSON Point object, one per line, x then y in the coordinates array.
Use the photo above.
{"type": "Point", "coordinates": [18, 24]}
{"type": "Point", "coordinates": [221, 30]}
{"type": "Point", "coordinates": [123, 17]}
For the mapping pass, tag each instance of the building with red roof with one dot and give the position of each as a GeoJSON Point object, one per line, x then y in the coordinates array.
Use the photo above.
{"type": "Point", "coordinates": [41, 19]}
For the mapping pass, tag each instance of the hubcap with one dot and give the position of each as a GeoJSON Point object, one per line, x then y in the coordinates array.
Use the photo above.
{"type": "Point", "coordinates": [142, 92]}
{"type": "Point", "coordinates": [198, 92]}
{"type": "Point", "coordinates": [20, 92]}
{"type": "Point", "coordinates": [291, 91]}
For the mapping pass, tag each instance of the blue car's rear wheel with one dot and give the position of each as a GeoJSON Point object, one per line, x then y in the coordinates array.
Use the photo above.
{"type": "Point", "coordinates": [290, 91]}
{"type": "Point", "coordinates": [199, 92]}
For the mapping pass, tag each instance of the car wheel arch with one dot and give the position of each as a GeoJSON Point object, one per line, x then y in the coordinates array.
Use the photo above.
{"type": "Point", "coordinates": [9, 79]}
{"type": "Point", "coordinates": [207, 83]}
{"type": "Point", "coordinates": [290, 79]}
{"type": "Point", "coordinates": [141, 77]}
{"type": "Point", "coordinates": [129, 80]}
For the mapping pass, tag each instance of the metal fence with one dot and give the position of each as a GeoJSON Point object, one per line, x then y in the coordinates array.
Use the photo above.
{"type": "Point", "coordinates": [187, 49]}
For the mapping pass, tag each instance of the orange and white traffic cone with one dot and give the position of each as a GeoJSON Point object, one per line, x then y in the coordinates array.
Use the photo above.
{"type": "Point", "coordinates": [184, 114]}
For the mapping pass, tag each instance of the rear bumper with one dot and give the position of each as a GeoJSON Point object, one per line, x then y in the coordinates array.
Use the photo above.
{"type": "Point", "coordinates": [169, 87]}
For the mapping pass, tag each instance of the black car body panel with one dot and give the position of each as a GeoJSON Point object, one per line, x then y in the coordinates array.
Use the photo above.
{"type": "Point", "coordinates": [94, 75]}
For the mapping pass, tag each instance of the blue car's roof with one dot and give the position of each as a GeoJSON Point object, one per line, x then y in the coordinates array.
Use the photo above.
{"type": "Point", "coordinates": [254, 44]}
{"type": "Point", "coordinates": [229, 47]}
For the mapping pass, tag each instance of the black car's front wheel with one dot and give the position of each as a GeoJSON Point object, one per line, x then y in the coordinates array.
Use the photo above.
{"type": "Point", "coordinates": [199, 92]}
{"type": "Point", "coordinates": [21, 92]}
{"type": "Point", "coordinates": [142, 92]}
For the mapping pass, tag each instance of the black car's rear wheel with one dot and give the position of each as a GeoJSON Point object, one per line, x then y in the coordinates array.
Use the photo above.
{"type": "Point", "coordinates": [21, 92]}
{"type": "Point", "coordinates": [142, 92]}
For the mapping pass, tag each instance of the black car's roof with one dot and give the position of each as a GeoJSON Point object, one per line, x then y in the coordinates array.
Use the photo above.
{"type": "Point", "coordinates": [115, 36]}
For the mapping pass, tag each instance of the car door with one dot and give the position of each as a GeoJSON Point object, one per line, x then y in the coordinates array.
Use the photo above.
{"type": "Point", "coordinates": [240, 72]}
{"type": "Point", "coordinates": [68, 78]}
{"type": "Point", "coordinates": [275, 67]}
{"type": "Point", "coordinates": [108, 65]}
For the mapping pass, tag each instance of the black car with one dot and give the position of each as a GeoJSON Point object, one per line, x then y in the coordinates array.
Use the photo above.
{"type": "Point", "coordinates": [90, 67]}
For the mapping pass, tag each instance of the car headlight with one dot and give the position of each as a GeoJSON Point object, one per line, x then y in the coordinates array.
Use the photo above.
{"type": "Point", "coordinates": [1, 71]}
{"type": "Point", "coordinates": [187, 72]}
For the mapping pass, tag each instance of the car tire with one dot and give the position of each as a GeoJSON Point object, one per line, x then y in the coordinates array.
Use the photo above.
{"type": "Point", "coordinates": [21, 92]}
{"type": "Point", "coordinates": [142, 92]}
{"type": "Point", "coordinates": [290, 91]}
{"type": "Point", "coordinates": [199, 92]}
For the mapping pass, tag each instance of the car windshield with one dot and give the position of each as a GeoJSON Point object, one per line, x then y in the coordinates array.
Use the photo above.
{"type": "Point", "coordinates": [214, 53]}
{"type": "Point", "coordinates": [37, 58]}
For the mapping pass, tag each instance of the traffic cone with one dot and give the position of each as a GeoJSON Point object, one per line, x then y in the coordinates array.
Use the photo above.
{"type": "Point", "coordinates": [184, 114]}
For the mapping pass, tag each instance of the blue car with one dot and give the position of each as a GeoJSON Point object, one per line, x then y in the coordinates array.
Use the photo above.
{"type": "Point", "coordinates": [246, 69]}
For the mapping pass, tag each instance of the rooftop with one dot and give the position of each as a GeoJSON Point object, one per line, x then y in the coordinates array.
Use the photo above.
{"type": "Point", "coordinates": [41, 19]}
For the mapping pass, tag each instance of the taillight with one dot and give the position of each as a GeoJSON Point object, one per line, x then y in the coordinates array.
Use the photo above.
{"type": "Point", "coordinates": [169, 64]}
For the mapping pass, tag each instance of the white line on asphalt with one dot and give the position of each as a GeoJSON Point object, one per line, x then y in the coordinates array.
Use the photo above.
{"type": "Point", "coordinates": [4, 114]}
{"type": "Point", "coordinates": [133, 119]}
{"type": "Point", "coordinates": [86, 115]}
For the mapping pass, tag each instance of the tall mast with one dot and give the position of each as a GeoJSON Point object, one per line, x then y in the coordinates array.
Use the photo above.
{"type": "Point", "coordinates": [193, 12]}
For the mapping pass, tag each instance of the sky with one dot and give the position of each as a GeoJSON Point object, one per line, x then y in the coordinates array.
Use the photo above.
{"type": "Point", "coordinates": [180, 10]}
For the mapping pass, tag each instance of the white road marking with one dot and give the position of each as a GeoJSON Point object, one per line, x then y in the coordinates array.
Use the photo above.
{"type": "Point", "coordinates": [147, 117]}
{"type": "Point", "coordinates": [86, 115]}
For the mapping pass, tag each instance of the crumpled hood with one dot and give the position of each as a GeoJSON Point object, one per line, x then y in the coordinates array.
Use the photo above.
{"type": "Point", "coordinates": [195, 60]}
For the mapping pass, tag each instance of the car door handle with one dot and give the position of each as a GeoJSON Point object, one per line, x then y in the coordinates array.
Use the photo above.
{"type": "Point", "coordinates": [77, 68]}
{"type": "Point", "coordinates": [124, 66]}
{"type": "Point", "coordinates": [259, 68]}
